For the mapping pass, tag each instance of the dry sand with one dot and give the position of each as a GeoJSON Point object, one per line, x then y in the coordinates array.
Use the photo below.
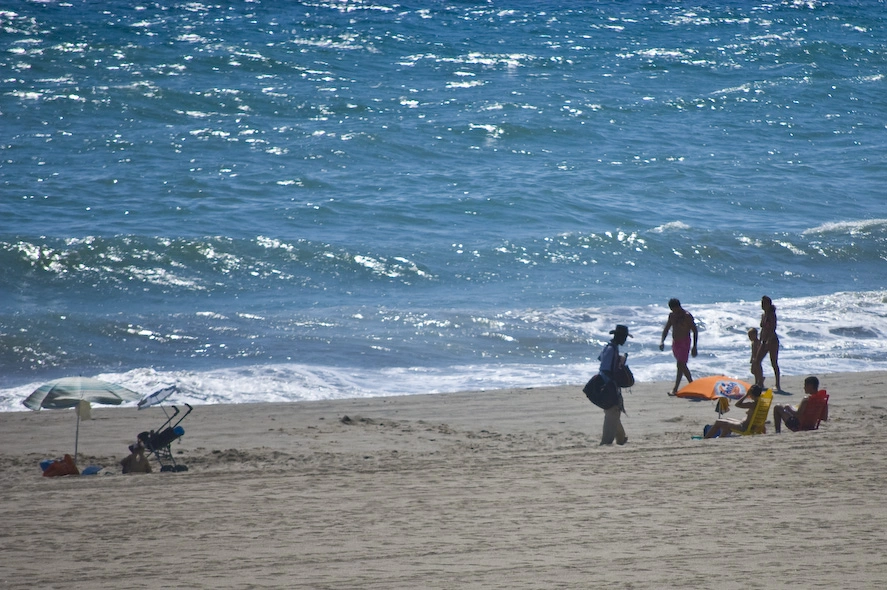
{"type": "Point", "coordinates": [500, 489]}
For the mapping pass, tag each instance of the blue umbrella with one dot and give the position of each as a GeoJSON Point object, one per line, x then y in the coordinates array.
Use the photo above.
{"type": "Point", "coordinates": [156, 397]}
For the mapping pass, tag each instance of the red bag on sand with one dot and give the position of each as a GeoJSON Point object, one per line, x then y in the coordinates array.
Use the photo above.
{"type": "Point", "coordinates": [61, 467]}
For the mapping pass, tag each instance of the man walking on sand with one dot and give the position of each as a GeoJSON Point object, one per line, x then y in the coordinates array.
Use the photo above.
{"type": "Point", "coordinates": [682, 325]}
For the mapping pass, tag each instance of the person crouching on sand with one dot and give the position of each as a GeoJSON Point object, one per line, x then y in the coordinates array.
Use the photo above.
{"type": "Point", "coordinates": [682, 325]}
{"type": "Point", "coordinates": [136, 462]}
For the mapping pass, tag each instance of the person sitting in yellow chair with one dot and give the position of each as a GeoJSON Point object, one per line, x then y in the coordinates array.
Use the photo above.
{"type": "Point", "coordinates": [724, 426]}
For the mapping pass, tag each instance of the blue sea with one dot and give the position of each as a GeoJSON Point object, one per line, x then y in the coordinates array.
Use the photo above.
{"type": "Point", "coordinates": [268, 201]}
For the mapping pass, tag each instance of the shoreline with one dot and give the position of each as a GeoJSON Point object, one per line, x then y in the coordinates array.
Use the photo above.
{"type": "Point", "coordinates": [477, 489]}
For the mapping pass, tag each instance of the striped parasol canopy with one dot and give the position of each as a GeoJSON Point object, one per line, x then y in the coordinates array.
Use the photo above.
{"type": "Point", "coordinates": [70, 391]}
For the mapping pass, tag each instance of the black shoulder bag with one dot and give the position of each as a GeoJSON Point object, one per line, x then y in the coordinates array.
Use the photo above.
{"type": "Point", "coordinates": [603, 394]}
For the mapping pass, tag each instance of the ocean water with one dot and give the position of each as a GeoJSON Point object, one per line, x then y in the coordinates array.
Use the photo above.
{"type": "Point", "coordinates": [269, 201]}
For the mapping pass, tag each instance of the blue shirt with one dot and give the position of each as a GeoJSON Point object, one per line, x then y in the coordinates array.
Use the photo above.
{"type": "Point", "coordinates": [608, 361]}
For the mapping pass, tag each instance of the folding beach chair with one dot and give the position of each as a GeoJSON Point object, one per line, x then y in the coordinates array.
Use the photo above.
{"type": "Point", "coordinates": [158, 442]}
{"type": "Point", "coordinates": [759, 418]}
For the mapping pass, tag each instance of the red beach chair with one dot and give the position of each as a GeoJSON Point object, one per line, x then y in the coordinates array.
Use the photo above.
{"type": "Point", "coordinates": [814, 410]}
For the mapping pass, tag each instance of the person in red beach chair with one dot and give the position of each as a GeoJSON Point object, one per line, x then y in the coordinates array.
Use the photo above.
{"type": "Point", "coordinates": [812, 409]}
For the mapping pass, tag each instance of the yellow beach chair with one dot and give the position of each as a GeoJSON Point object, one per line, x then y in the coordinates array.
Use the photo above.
{"type": "Point", "coordinates": [759, 418]}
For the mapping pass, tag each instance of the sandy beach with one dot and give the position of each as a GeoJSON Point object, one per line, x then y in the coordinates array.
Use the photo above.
{"type": "Point", "coordinates": [496, 489]}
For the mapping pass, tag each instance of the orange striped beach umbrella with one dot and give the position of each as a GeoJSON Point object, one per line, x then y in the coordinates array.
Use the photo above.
{"type": "Point", "coordinates": [714, 387]}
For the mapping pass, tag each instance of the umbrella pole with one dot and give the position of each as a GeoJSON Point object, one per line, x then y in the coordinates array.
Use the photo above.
{"type": "Point", "coordinates": [76, 436]}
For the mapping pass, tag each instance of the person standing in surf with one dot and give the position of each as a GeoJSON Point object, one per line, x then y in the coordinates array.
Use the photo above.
{"type": "Point", "coordinates": [769, 339]}
{"type": "Point", "coordinates": [682, 325]}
